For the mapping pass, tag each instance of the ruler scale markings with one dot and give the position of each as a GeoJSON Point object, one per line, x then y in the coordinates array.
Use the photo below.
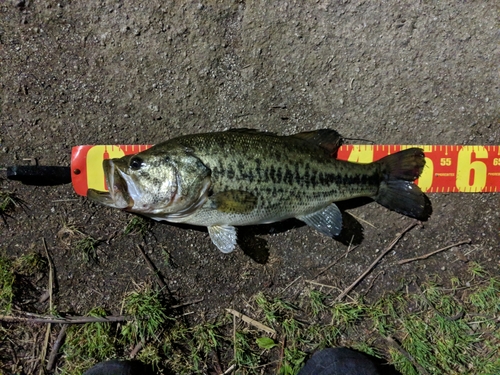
{"type": "Point", "coordinates": [449, 168]}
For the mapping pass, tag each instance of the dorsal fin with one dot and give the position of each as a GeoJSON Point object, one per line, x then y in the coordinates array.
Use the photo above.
{"type": "Point", "coordinates": [328, 139]}
{"type": "Point", "coordinates": [249, 131]}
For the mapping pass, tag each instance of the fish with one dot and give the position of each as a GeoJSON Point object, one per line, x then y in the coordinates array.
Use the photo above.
{"type": "Point", "coordinates": [240, 177]}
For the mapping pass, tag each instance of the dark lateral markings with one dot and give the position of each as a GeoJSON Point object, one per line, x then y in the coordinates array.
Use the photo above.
{"type": "Point", "coordinates": [303, 176]}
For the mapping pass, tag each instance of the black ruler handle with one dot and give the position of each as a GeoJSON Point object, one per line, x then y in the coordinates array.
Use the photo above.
{"type": "Point", "coordinates": [39, 175]}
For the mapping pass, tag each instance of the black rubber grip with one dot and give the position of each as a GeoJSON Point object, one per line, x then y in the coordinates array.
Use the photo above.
{"type": "Point", "coordinates": [39, 175]}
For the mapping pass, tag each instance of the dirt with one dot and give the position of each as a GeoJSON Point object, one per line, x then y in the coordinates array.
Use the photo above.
{"type": "Point", "coordinates": [114, 72]}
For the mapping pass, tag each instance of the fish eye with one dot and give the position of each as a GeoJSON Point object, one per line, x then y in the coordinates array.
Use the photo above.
{"type": "Point", "coordinates": [136, 163]}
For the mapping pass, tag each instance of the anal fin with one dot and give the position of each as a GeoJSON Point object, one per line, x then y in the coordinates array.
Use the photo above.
{"type": "Point", "coordinates": [327, 221]}
{"type": "Point", "coordinates": [224, 237]}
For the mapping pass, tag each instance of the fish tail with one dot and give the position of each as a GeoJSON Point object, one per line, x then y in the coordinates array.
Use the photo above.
{"type": "Point", "coordinates": [397, 191]}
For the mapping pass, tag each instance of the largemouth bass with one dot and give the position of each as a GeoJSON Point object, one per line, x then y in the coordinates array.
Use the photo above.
{"type": "Point", "coordinates": [246, 177]}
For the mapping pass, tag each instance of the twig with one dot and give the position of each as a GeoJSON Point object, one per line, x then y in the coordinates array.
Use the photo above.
{"type": "Point", "coordinates": [282, 351]}
{"type": "Point", "coordinates": [466, 242]}
{"type": "Point", "coordinates": [51, 274]}
{"type": "Point", "coordinates": [153, 268]}
{"type": "Point", "coordinates": [136, 349]}
{"type": "Point", "coordinates": [389, 248]}
{"type": "Point", "coordinates": [230, 369]}
{"type": "Point", "coordinates": [349, 249]}
{"type": "Point", "coordinates": [187, 303]}
{"type": "Point", "coordinates": [234, 338]}
{"type": "Point", "coordinates": [398, 347]}
{"type": "Point", "coordinates": [373, 281]}
{"type": "Point", "coordinates": [69, 320]}
{"type": "Point", "coordinates": [43, 355]}
{"type": "Point", "coordinates": [13, 352]}
{"type": "Point", "coordinates": [34, 351]}
{"type": "Point", "coordinates": [289, 285]}
{"type": "Point", "coordinates": [55, 348]}
{"type": "Point", "coordinates": [364, 221]}
{"type": "Point", "coordinates": [217, 365]}
{"type": "Point", "coordinates": [251, 321]}
{"type": "Point", "coordinates": [473, 248]}
{"type": "Point", "coordinates": [44, 348]}
{"type": "Point", "coordinates": [326, 286]}
{"type": "Point", "coordinates": [319, 284]}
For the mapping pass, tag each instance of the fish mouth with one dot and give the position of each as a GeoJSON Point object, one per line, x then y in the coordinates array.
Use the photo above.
{"type": "Point", "coordinates": [118, 195]}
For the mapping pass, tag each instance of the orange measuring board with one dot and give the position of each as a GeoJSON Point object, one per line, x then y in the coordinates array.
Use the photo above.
{"type": "Point", "coordinates": [448, 169]}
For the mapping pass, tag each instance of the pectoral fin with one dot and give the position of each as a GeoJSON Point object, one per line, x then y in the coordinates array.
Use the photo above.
{"type": "Point", "coordinates": [234, 201]}
{"type": "Point", "coordinates": [327, 221]}
{"type": "Point", "coordinates": [224, 237]}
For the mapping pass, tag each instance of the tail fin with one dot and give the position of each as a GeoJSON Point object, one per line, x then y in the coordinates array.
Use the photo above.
{"type": "Point", "coordinates": [397, 191]}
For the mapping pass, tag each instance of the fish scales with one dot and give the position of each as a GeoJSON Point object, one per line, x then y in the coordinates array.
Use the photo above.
{"type": "Point", "coordinates": [244, 177]}
{"type": "Point", "coordinates": [285, 173]}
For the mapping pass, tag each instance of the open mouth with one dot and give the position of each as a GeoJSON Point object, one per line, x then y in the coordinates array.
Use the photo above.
{"type": "Point", "coordinates": [117, 196]}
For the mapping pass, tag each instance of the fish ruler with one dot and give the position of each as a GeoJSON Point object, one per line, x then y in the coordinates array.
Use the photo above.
{"type": "Point", "coordinates": [448, 169]}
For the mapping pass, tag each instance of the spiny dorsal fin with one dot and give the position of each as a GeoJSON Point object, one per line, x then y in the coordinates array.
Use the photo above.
{"type": "Point", "coordinates": [328, 139]}
{"type": "Point", "coordinates": [249, 131]}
